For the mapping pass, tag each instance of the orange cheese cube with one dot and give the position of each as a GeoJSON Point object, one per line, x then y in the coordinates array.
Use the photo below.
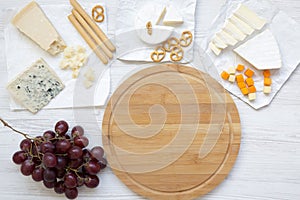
{"type": "Point", "coordinates": [267, 73]}
{"type": "Point", "coordinates": [268, 82]}
{"type": "Point", "coordinates": [252, 89]}
{"type": "Point", "coordinates": [249, 73]}
{"type": "Point", "coordinates": [225, 75]}
{"type": "Point", "coordinates": [250, 82]}
{"type": "Point", "coordinates": [240, 78]}
{"type": "Point", "coordinates": [242, 85]}
{"type": "Point", "coordinates": [240, 68]}
{"type": "Point", "coordinates": [245, 91]}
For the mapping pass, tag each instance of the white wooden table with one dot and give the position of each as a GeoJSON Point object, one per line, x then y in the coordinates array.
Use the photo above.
{"type": "Point", "coordinates": [268, 166]}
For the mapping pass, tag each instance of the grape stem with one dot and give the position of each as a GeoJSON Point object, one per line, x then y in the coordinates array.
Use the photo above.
{"type": "Point", "coordinates": [10, 127]}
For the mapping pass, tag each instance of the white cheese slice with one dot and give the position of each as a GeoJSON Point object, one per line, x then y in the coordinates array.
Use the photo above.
{"type": "Point", "coordinates": [261, 51]}
{"type": "Point", "coordinates": [36, 86]}
{"type": "Point", "coordinates": [231, 29]}
{"type": "Point", "coordinates": [214, 48]}
{"type": "Point", "coordinates": [250, 17]}
{"type": "Point", "coordinates": [245, 28]}
{"type": "Point", "coordinates": [219, 42]}
{"type": "Point", "coordinates": [226, 38]}
{"type": "Point", "coordinates": [151, 13]}
{"type": "Point", "coordinates": [33, 22]}
{"type": "Point", "coordinates": [172, 17]}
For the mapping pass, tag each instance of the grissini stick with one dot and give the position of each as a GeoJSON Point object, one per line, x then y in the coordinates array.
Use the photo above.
{"type": "Point", "coordinates": [93, 25]}
{"type": "Point", "coordinates": [87, 38]}
{"type": "Point", "coordinates": [88, 29]}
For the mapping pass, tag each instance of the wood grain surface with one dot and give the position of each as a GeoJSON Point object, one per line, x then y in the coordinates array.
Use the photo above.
{"type": "Point", "coordinates": [269, 160]}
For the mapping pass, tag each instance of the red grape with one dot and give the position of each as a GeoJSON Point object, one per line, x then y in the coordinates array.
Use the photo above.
{"type": "Point", "coordinates": [49, 175]}
{"type": "Point", "coordinates": [62, 162]}
{"type": "Point", "coordinates": [49, 160]}
{"type": "Point", "coordinates": [92, 167]}
{"type": "Point", "coordinates": [47, 147]}
{"type": "Point", "coordinates": [49, 135]}
{"type": "Point", "coordinates": [97, 152]}
{"type": "Point", "coordinates": [70, 180]}
{"type": "Point", "coordinates": [49, 184]}
{"type": "Point", "coordinates": [74, 164]}
{"type": "Point", "coordinates": [62, 146]}
{"type": "Point", "coordinates": [59, 187]}
{"type": "Point", "coordinates": [71, 193]}
{"type": "Point", "coordinates": [81, 141]}
{"type": "Point", "coordinates": [19, 157]}
{"type": "Point", "coordinates": [86, 155]}
{"type": "Point", "coordinates": [37, 174]}
{"type": "Point", "coordinates": [25, 145]}
{"type": "Point", "coordinates": [60, 173]}
{"type": "Point", "coordinates": [103, 163]}
{"type": "Point", "coordinates": [92, 181]}
{"type": "Point", "coordinates": [75, 152]}
{"type": "Point", "coordinates": [27, 167]}
{"type": "Point", "coordinates": [61, 128]}
{"type": "Point", "coordinates": [77, 131]}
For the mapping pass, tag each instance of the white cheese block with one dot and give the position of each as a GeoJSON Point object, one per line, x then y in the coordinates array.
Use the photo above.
{"type": "Point", "coordinates": [226, 38]}
{"type": "Point", "coordinates": [250, 17]}
{"type": "Point", "coordinates": [245, 28]}
{"type": "Point", "coordinates": [236, 33]}
{"type": "Point", "coordinates": [36, 86]}
{"type": "Point", "coordinates": [151, 13]}
{"type": "Point", "coordinates": [219, 42]}
{"type": "Point", "coordinates": [172, 17]}
{"type": "Point", "coordinates": [33, 22]}
{"type": "Point", "coordinates": [262, 51]}
{"type": "Point", "coordinates": [214, 48]}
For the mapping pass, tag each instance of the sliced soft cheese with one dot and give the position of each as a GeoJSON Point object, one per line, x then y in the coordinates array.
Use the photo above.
{"type": "Point", "coordinates": [33, 22]}
{"type": "Point", "coordinates": [250, 17]}
{"type": "Point", "coordinates": [162, 15]}
{"type": "Point", "coordinates": [172, 17]}
{"type": "Point", "coordinates": [232, 30]}
{"type": "Point", "coordinates": [219, 42]}
{"type": "Point", "coordinates": [261, 51]}
{"type": "Point", "coordinates": [245, 28]}
{"type": "Point", "coordinates": [226, 38]}
{"type": "Point", "coordinates": [214, 48]}
{"type": "Point", "coordinates": [36, 86]}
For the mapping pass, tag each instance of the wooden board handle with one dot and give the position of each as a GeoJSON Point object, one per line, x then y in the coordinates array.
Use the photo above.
{"type": "Point", "coordinates": [84, 24]}
{"type": "Point", "coordinates": [87, 38]}
{"type": "Point", "coordinates": [93, 25]}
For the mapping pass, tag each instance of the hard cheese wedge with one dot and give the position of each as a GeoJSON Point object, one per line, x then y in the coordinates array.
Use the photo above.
{"type": "Point", "coordinates": [36, 86]}
{"type": "Point", "coordinates": [261, 51]}
{"type": "Point", "coordinates": [33, 22]}
{"type": "Point", "coordinates": [172, 17]}
{"type": "Point", "coordinates": [250, 17]}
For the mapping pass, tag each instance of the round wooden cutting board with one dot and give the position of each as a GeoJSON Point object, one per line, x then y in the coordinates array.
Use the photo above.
{"type": "Point", "coordinates": [171, 132]}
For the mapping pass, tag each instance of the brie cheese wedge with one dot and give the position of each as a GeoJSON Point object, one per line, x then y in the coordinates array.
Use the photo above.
{"type": "Point", "coordinates": [33, 22]}
{"type": "Point", "coordinates": [261, 51]}
{"type": "Point", "coordinates": [234, 31]}
{"type": "Point", "coordinates": [226, 38]}
{"type": "Point", "coordinates": [250, 17]}
{"type": "Point", "coordinates": [159, 34]}
{"type": "Point", "coordinates": [172, 17]}
{"type": "Point", "coordinates": [245, 28]}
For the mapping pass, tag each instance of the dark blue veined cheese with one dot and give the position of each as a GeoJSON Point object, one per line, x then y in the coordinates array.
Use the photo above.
{"type": "Point", "coordinates": [36, 86]}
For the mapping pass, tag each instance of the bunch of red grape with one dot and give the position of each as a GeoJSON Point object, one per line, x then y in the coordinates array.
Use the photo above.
{"type": "Point", "coordinates": [61, 160]}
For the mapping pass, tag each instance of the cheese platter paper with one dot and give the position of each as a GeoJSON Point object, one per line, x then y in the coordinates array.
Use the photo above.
{"type": "Point", "coordinates": [169, 19]}
{"type": "Point", "coordinates": [21, 52]}
{"type": "Point", "coordinates": [260, 48]}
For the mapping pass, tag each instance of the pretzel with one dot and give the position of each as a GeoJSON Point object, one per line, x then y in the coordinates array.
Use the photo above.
{"type": "Point", "coordinates": [186, 39]}
{"type": "Point", "coordinates": [149, 27]}
{"type": "Point", "coordinates": [98, 13]}
{"type": "Point", "coordinates": [177, 54]}
{"type": "Point", "coordinates": [158, 54]}
{"type": "Point", "coordinates": [170, 43]}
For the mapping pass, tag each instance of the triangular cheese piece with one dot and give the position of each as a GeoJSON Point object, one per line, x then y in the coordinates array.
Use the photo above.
{"type": "Point", "coordinates": [172, 17]}
{"type": "Point", "coordinates": [33, 22]}
{"type": "Point", "coordinates": [261, 51]}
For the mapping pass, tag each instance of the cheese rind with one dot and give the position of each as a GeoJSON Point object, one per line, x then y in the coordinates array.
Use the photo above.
{"type": "Point", "coordinates": [250, 17]}
{"type": "Point", "coordinates": [36, 86]}
{"type": "Point", "coordinates": [33, 22]}
{"type": "Point", "coordinates": [262, 51]}
{"type": "Point", "coordinates": [172, 17]}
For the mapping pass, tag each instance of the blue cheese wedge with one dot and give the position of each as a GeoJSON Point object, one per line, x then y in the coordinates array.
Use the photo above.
{"type": "Point", "coordinates": [33, 22]}
{"type": "Point", "coordinates": [36, 86]}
